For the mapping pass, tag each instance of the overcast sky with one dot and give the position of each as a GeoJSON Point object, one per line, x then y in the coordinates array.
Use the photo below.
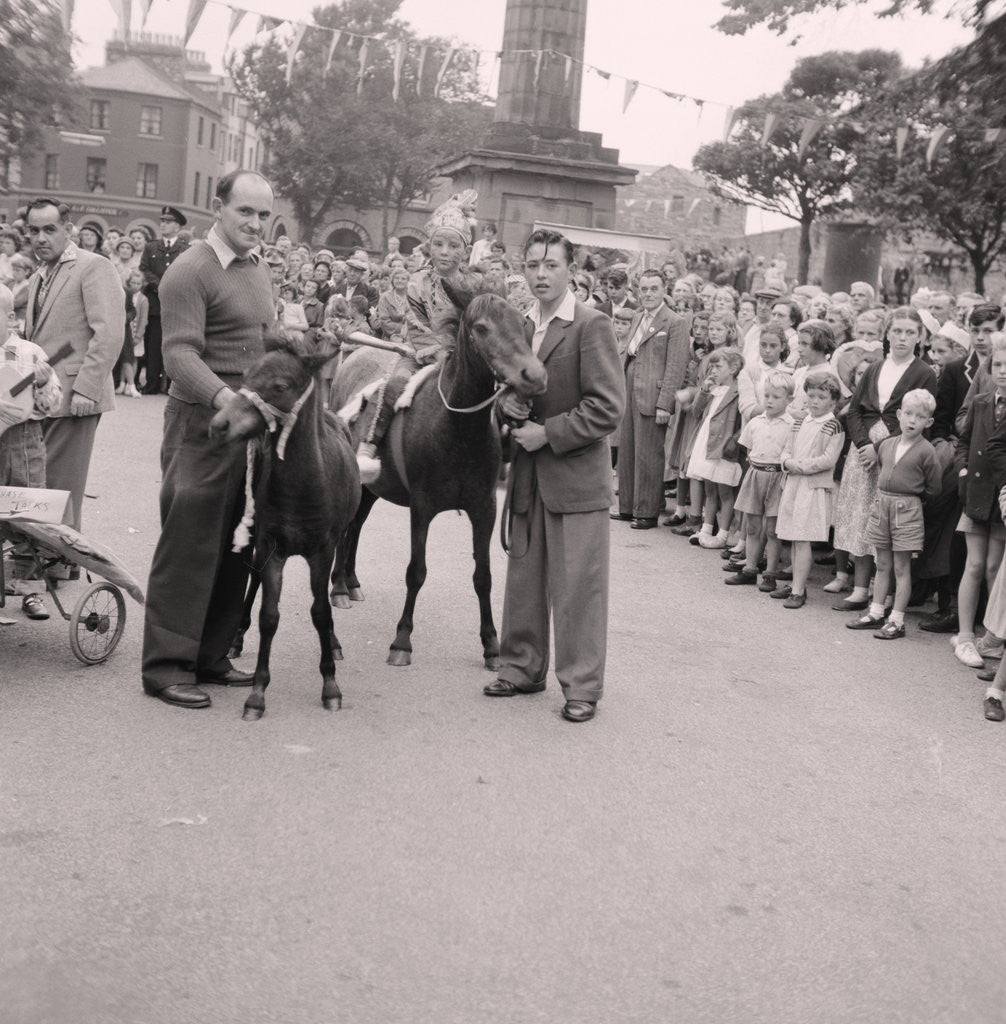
{"type": "Point", "coordinates": [670, 44]}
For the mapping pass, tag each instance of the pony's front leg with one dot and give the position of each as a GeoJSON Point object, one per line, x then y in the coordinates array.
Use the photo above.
{"type": "Point", "coordinates": [415, 577]}
{"type": "Point", "coordinates": [268, 623]}
{"type": "Point", "coordinates": [321, 616]}
{"type": "Point", "coordinates": [483, 520]}
{"type": "Point", "coordinates": [238, 644]}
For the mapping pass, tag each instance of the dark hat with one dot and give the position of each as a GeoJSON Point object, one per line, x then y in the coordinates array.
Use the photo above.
{"type": "Point", "coordinates": [768, 291]}
{"type": "Point", "coordinates": [274, 257]}
{"type": "Point", "coordinates": [174, 213]}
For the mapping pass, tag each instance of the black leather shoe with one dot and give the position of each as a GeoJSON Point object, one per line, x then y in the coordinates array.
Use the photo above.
{"type": "Point", "coordinates": [675, 520]}
{"type": "Point", "coordinates": [623, 516]}
{"type": "Point", "coordinates": [851, 606]}
{"type": "Point", "coordinates": [232, 677]}
{"type": "Point", "coordinates": [579, 710]}
{"type": "Point", "coordinates": [182, 695]}
{"type": "Point", "coordinates": [986, 675]}
{"type": "Point", "coordinates": [994, 709]}
{"type": "Point", "coordinates": [504, 688]}
{"type": "Point", "coordinates": [941, 622]}
{"type": "Point", "coordinates": [643, 524]}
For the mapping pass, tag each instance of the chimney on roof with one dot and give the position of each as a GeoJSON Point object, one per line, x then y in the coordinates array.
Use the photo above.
{"type": "Point", "coordinates": [164, 52]}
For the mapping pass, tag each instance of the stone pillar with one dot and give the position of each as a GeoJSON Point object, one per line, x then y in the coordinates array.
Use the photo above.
{"type": "Point", "coordinates": [558, 25]}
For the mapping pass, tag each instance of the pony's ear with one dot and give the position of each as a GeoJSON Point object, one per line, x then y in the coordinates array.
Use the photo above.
{"type": "Point", "coordinates": [274, 338]}
{"type": "Point", "coordinates": [459, 290]}
{"type": "Point", "coordinates": [316, 361]}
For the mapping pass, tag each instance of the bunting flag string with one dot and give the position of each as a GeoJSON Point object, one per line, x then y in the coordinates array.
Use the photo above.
{"type": "Point", "coordinates": [811, 126]}
{"type": "Point", "coordinates": [295, 41]}
{"type": "Point", "coordinates": [936, 140]}
{"type": "Point", "coordinates": [123, 15]}
{"type": "Point", "coordinates": [397, 60]}
{"type": "Point", "coordinates": [336, 36]}
{"type": "Point", "coordinates": [630, 90]}
{"type": "Point", "coordinates": [145, 6]}
{"type": "Point", "coordinates": [419, 70]}
{"type": "Point", "coordinates": [66, 10]}
{"type": "Point", "coordinates": [233, 21]}
{"type": "Point", "coordinates": [443, 71]}
{"type": "Point", "coordinates": [364, 47]}
{"type": "Point", "coordinates": [770, 123]}
{"type": "Point", "coordinates": [537, 67]}
{"type": "Point", "coordinates": [195, 12]}
{"type": "Point", "coordinates": [729, 121]}
{"type": "Point", "coordinates": [695, 202]}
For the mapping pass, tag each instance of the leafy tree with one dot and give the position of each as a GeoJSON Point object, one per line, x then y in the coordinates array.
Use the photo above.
{"type": "Point", "coordinates": [962, 196]}
{"type": "Point", "coordinates": [329, 145]}
{"type": "Point", "coordinates": [36, 86]}
{"type": "Point", "coordinates": [777, 177]}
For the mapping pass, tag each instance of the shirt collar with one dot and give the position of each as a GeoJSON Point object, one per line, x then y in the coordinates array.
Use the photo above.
{"type": "Point", "coordinates": [566, 311]}
{"type": "Point", "coordinates": [225, 254]}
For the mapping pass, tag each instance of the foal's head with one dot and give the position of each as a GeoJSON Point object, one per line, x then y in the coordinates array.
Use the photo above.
{"type": "Point", "coordinates": [271, 385]}
{"type": "Point", "coordinates": [494, 329]}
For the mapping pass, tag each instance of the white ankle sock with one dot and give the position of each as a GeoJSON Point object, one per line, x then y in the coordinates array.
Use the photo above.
{"type": "Point", "coordinates": [898, 618]}
{"type": "Point", "coordinates": [858, 594]}
{"type": "Point", "coordinates": [876, 611]}
{"type": "Point", "coordinates": [993, 692]}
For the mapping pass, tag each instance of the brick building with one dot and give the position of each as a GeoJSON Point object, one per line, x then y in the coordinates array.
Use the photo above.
{"type": "Point", "coordinates": [155, 126]}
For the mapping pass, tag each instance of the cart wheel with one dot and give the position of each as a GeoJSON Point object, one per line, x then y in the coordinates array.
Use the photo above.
{"type": "Point", "coordinates": [97, 622]}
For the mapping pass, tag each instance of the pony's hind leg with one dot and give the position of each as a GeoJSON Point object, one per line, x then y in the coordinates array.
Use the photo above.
{"type": "Point", "coordinates": [415, 577]}
{"type": "Point", "coordinates": [268, 623]}
{"type": "Point", "coordinates": [483, 521]}
{"type": "Point", "coordinates": [345, 584]}
{"type": "Point", "coordinates": [321, 616]}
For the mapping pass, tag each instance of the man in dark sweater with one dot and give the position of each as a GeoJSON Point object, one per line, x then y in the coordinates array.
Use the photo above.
{"type": "Point", "coordinates": [216, 303]}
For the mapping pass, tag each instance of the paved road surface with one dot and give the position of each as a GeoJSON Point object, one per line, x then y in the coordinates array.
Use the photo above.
{"type": "Point", "coordinates": [771, 820]}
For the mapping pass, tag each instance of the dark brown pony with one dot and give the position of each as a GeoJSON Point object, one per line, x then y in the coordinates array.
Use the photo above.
{"type": "Point", "coordinates": [444, 451]}
{"type": "Point", "coordinates": [306, 495]}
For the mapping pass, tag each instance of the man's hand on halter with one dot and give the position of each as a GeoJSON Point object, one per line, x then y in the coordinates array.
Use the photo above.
{"type": "Point", "coordinates": [81, 406]}
{"type": "Point", "coordinates": [530, 436]}
{"type": "Point", "coordinates": [223, 398]}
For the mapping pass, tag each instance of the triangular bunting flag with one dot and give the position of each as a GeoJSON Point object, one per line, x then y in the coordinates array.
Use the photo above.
{"type": "Point", "coordinates": [631, 85]}
{"type": "Point", "coordinates": [265, 24]}
{"type": "Point", "coordinates": [296, 39]}
{"type": "Point", "coordinates": [667, 207]}
{"type": "Point", "coordinates": [900, 138]}
{"type": "Point", "coordinates": [336, 36]}
{"type": "Point", "coordinates": [936, 140]}
{"type": "Point", "coordinates": [695, 202]}
{"type": "Point", "coordinates": [568, 69]}
{"type": "Point", "coordinates": [67, 12]}
{"type": "Point", "coordinates": [397, 60]}
{"type": "Point", "coordinates": [811, 126]}
{"type": "Point", "coordinates": [195, 12]}
{"type": "Point", "coordinates": [123, 14]}
{"type": "Point", "coordinates": [728, 123]}
{"type": "Point", "coordinates": [672, 95]}
{"type": "Point", "coordinates": [419, 70]}
{"type": "Point", "coordinates": [476, 57]}
{"type": "Point", "coordinates": [232, 23]}
{"type": "Point", "coordinates": [443, 70]}
{"type": "Point", "coordinates": [537, 67]}
{"type": "Point", "coordinates": [606, 75]}
{"type": "Point", "coordinates": [364, 47]}
{"type": "Point", "coordinates": [770, 123]}
{"type": "Point", "coordinates": [701, 104]}
{"type": "Point", "coordinates": [145, 6]}
{"type": "Point", "coordinates": [993, 135]}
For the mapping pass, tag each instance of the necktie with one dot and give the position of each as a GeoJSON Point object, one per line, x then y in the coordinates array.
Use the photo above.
{"type": "Point", "coordinates": [644, 326]}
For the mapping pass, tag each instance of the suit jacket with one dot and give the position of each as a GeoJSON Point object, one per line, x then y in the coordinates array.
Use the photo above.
{"type": "Point", "coordinates": [980, 436]}
{"type": "Point", "coordinates": [661, 361]}
{"type": "Point", "coordinates": [368, 290]}
{"type": "Point", "coordinates": [864, 407]}
{"type": "Point", "coordinates": [85, 306]}
{"type": "Point", "coordinates": [606, 308]}
{"type": "Point", "coordinates": [156, 259]}
{"type": "Point", "coordinates": [580, 408]}
{"type": "Point", "coordinates": [951, 390]}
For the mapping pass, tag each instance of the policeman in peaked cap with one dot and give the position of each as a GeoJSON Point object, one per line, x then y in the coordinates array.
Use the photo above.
{"type": "Point", "coordinates": [173, 213]}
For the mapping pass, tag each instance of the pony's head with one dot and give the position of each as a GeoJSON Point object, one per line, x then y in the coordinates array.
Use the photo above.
{"type": "Point", "coordinates": [271, 388]}
{"type": "Point", "coordinates": [493, 329]}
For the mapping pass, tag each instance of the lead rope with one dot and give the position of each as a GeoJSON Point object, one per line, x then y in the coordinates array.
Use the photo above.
{"type": "Point", "coordinates": [499, 389]}
{"type": "Point", "coordinates": [273, 417]}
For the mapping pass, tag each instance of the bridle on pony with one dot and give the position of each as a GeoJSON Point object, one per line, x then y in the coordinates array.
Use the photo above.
{"type": "Point", "coordinates": [273, 417]}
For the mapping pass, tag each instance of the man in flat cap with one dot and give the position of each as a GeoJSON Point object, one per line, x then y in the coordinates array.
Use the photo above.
{"type": "Point", "coordinates": [157, 257]}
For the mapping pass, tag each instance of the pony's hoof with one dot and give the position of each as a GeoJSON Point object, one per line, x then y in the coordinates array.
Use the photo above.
{"type": "Point", "coordinates": [399, 658]}
{"type": "Point", "coordinates": [492, 663]}
{"type": "Point", "coordinates": [252, 714]}
{"type": "Point", "coordinates": [355, 594]}
{"type": "Point", "coordinates": [235, 652]}
{"type": "Point", "coordinates": [337, 654]}
{"type": "Point", "coordinates": [332, 703]}
{"type": "Point", "coordinates": [341, 601]}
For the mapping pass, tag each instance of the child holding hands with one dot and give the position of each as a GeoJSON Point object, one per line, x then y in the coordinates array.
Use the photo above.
{"type": "Point", "coordinates": [765, 438]}
{"type": "Point", "coordinates": [910, 472]}
{"type": "Point", "coordinates": [808, 459]}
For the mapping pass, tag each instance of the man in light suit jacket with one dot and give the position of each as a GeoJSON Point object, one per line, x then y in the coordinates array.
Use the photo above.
{"type": "Point", "coordinates": [560, 492]}
{"type": "Point", "coordinates": [655, 363]}
{"type": "Point", "coordinates": [76, 297]}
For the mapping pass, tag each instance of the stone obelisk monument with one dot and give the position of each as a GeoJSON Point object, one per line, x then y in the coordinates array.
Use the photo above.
{"type": "Point", "coordinates": [534, 163]}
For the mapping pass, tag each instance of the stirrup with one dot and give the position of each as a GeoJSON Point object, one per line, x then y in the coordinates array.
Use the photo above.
{"type": "Point", "coordinates": [370, 468]}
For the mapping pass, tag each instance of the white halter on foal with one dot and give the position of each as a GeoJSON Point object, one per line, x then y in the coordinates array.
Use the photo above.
{"type": "Point", "coordinates": [273, 417]}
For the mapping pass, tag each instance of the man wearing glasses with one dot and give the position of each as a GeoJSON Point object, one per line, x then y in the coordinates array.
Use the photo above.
{"type": "Point", "coordinates": [157, 257]}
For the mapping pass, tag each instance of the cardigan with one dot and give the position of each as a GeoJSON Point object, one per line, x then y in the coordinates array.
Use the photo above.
{"type": "Point", "coordinates": [864, 410]}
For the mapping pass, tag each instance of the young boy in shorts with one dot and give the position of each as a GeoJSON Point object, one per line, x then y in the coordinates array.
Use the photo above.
{"type": "Point", "coordinates": [22, 450]}
{"type": "Point", "coordinates": [910, 473]}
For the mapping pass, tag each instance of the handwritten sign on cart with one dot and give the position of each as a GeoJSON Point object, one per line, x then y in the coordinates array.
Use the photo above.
{"type": "Point", "coordinates": [34, 503]}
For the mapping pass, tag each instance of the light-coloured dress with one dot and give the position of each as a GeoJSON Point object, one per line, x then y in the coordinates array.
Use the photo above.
{"type": "Point", "coordinates": [717, 471]}
{"type": "Point", "coordinates": [805, 506]}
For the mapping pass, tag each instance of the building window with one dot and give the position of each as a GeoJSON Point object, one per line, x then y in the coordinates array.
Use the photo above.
{"type": "Point", "coordinates": [96, 166]}
{"type": "Point", "coordinates": [51, 171]}
{"type": "Point", "coordinates": [199, 131]}
{"type": "Point", "coordinates": [209, 190]}
{"type": "Point", "coordinates": [150, 120]}
{"type": "Point", "coordinates": [677, 204]}
{"type": "Point", "coordinates": [146, 181]}
{"type": "Point", "coordinates": [99, 115]}
{"type": "Point", "coordinates": [195, 191]}
{"type": "Point", "coordinates": [213, 137]}
{"type": "Point", "coordinates": [716, 216]}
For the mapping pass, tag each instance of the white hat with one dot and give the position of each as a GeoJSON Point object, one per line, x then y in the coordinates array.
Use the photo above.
{"type": "Point", "coordinates": [954, 333]}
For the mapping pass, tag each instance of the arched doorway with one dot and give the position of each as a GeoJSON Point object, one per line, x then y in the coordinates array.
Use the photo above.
{"type": "Point", "coordinates": [278, 230]}
{"type": "Point", "coordinates": [345, 235]}
{"type": "Point", "coordinates": [407, 243]}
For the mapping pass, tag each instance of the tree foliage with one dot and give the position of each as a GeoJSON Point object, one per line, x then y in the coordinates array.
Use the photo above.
{"type": "Point", "coordinates": [961, 197]}
{"type": "Point", "coordinates": [36, 84]}
{"type": "Point", "coordinates": [330, 145]}
{"type": "Point", "coordinates": [776, 176]}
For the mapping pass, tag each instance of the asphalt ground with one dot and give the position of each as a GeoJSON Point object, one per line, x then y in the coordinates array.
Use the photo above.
{"type": "Point", "coordinates": [772, 819]}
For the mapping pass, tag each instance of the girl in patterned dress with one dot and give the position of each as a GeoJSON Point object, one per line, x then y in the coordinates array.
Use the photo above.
{"type": "Point", "coordinates": [809, 461]}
